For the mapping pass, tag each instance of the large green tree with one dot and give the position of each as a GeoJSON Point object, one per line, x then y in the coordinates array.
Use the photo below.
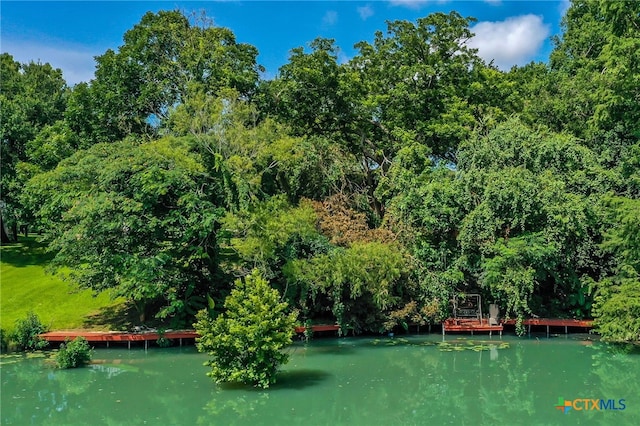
{"type": "Point", "coordinates": [519, 218]}
{"type": "Point", "coordinates": [319, 98]}
{"type": "Point", "coordinates": [417, 83]}
{"type": "Point", "coordinates": [32, 96]}
{"type": "Point", "coordinates": [591, 86]}
{"type": "Point", "coordinates": [258, 156]}
{"type": "Point", "coordinates": [423, 83]}
{"type": "Point", "coordinates": [362, 283]}
{"type": "Point", "coordinates": [164, 55]}
{"type": "Point", "coordinates": [617, 307]}
{"type": "Point", "coordinates": [137, 218]}
{"type": "Point", "coordinates": [532, 225]}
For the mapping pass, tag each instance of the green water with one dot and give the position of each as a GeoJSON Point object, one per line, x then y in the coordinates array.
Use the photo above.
{"type": "Point", "coordinates": [363, 381]}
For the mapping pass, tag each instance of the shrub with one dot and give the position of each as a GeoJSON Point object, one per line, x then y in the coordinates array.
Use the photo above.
{"type": "Point", "coordinates": [246, 341]}
{"type": "Point", "coordinates": [27, 333]}
{"type": "Point", "coordinates": [4, 344]}
{"type": "Point", "coordinates": [163, 341]}
{"type": "Point", "coordinates": [74, 353]}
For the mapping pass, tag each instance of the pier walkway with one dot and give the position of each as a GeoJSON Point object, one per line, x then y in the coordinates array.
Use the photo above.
{"type": "Point", "coordinates": [474, 325]}
{"type": "Point", "coordinates": [118, 336]}
{"type": "Point", "coordinates": [554, 322]}
{"type": "Point", "coordinates": [144, 336]}
{"type": "Point", "coordinates": [449, 325]}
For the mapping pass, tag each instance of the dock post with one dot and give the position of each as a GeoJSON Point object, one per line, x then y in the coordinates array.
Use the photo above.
{"type": "Point", "coordinates": [129, 344]}
{"type": "Point", "coordinates": [529, 329]}
{"type": "Point", "coordinates": [565, 330]}
{"type": "Point", "coordinates": [181, 342]}
{"type": "Point", "coordinates": [107, 344]}
{"type": "Point", "coordinates": [547, 331]}
{"type": "Point", "coordinates": [146, 344]}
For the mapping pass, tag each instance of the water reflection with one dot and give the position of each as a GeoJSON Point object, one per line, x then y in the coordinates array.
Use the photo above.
{"type": "Point", "coordinates": [417, 380]}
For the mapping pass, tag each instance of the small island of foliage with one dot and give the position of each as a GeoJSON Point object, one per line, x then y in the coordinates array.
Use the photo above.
{"type": "Point", "coordinates": [367, 193]}
{"type": "Point", "coordinates": [246, 341]}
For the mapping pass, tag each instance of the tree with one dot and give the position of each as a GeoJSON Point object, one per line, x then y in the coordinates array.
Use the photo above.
{"type": "Point", "coordinates": [265, 236]}
{"type": "Point", "coordinates": [591, 86]}
{"type": "Point", "coordinates": [519, 218]}
{"type": "Point", "coordinates": [422, 80]}
{"type": "Point", "coordinates": [26, 334]}
{"type": "Point", "coordinates": [32, 96]}
{"type": "Point", "coordinates": [258, 157]}
{"type": "Point", "coordinates": [617, 307]}
{"type": "Point", "coordinates": [533, 217]}
{"type": "Point", "coordinates": [617, 300]}
{"type": "Point", "coordinates": [246, 341]}
{"type": "Point", "coordinates": [311, 93]}
{"type": "Point", "coordinates": [162, 57]}
{"type": "Point", "coordinates": [139, 219]}
{"type": "Point", "coordinates": [362, 283]}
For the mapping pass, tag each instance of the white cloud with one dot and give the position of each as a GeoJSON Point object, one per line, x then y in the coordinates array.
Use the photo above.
{"type": "Point", "coordinates": [77, 63]}
{"type": "Point", "coordinates": [365, 12]}
{"type": "Point", "coordinates": [514, 41]}
{"type": "Point", "coordinates": [330, 18]}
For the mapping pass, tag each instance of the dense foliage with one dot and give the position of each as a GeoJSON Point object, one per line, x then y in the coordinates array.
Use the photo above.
{"type": "Point", "coordinates": [368, 193]}
{"type": "Point", "coordinates": [27, 331]}
{"type": "Point", "coordinates": [135, 218]}
{"type": "Point", "coordinates": [73, 353]}
{"type": "Point", "coordinates": [246, 341]}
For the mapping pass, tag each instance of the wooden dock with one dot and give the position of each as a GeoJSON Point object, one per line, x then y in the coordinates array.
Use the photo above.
{"type": "Point", "coordinates": [470, 326]}
{"type": "Point", "coordinates": [118, 336]}
{"type": "Point", "coordinates": [449, 325]}
{"type": "Point", "coordinates": [319, 328]}
{"type": "Point", "coordinates": [145, 337]}
{"type": "Point", "coordinates": [474, 325]}
{"type": "Point", "coordinates": [553, 322]}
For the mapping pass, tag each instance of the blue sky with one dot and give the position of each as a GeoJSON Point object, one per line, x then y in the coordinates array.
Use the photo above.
{"type": "Point", "coordinates": [69, 34]}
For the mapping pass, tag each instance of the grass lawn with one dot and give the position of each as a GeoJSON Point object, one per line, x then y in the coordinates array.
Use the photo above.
{"type": "Point", "coordinates": [25, 286]}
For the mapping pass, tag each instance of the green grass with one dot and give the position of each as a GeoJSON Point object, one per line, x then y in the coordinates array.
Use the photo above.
{"type": "Point", "coordinates": [25, 286]}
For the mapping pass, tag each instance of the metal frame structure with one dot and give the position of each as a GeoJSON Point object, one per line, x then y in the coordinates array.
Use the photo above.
{"type": "Point", "coordinates": [469, 307]}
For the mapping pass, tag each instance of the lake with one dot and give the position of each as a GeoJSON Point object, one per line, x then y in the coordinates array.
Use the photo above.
{"type": "Point", "coordinates": [407, 380]}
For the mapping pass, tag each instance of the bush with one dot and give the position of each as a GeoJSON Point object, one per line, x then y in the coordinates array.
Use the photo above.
{"type": "Point", "coordinates": [163, 341]}
{"type": "Point", "coordinates": [246, 341]}
{"type": "Point", "coordinates": [4, 344]}
{"type": "Point", "coordinates": [27, 333]}
{"type": "Point", "coordinates": [74, 353]}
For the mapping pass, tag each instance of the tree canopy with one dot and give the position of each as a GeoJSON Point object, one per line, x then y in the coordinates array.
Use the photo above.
{"type": "Point", "coordinates": [368, 193]}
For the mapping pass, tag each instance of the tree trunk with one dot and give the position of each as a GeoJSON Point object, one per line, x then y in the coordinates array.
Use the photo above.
{"type": "Point", "coordinates": [141, 307]}
{"type": "Point", "coordinates": [4, 236]}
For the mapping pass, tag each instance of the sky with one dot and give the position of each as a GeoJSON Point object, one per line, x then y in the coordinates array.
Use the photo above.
{"type": "Point", "coordinates": [68, 35]}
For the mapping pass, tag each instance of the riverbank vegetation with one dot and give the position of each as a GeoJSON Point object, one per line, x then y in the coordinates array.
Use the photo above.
{"type": "Point", "coordinates": [368, 192]}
